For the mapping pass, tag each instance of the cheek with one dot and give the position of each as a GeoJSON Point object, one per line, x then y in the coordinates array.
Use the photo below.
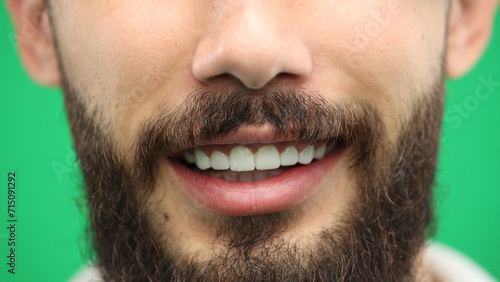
{"type": "Point", "coordinates": [129, 58]}
{"type": "Point", "coordinates": [385, 46]}
{"type": "Point", "coordinates": [385, 51]}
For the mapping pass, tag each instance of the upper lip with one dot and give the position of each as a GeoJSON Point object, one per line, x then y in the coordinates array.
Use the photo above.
{"type": "Point", "coordinates": [244, 135]}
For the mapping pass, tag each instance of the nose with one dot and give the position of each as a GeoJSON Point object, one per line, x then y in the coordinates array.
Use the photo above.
{"type": "Point", "coordinates": [253, 42]}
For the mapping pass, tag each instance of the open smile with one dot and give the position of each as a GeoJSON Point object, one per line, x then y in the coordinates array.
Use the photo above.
{"type": "Point", "coordinates": [255, 178]}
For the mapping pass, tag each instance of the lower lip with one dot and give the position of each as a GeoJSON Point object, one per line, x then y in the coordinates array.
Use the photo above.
{"type": "Point", "coordinates": [251, 198]}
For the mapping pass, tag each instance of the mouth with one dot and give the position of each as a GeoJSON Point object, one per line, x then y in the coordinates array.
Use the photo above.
{"type": "Point", "coordinates": [244, 178]}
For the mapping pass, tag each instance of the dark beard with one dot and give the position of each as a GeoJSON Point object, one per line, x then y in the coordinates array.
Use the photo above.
{"type": "Point", "coordinates": [378, 239]}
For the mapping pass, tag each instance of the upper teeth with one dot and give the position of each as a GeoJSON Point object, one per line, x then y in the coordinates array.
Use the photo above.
{"type": "Point", "coordinates": [267, 157]}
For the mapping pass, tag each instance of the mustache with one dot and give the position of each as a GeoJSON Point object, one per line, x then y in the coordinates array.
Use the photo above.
{"type": "Point", "coordinates": [296, 114]}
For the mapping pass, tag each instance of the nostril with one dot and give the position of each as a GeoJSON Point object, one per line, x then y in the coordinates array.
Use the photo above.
{"type": "Point", "coordinates": [252, 45]}
{"type": "Point", "coordinates": [226, 79]}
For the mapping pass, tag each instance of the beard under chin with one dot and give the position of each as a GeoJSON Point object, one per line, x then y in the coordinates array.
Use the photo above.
{"type": "Point", "coordinates": [379, 236]}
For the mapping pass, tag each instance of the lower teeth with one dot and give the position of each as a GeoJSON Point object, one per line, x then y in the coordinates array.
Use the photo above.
{"type": "Point", "coordinates": [247, 176]}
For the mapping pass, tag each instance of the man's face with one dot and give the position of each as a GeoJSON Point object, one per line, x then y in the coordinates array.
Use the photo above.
{"type": "Point", "coordinates": [312, 125]}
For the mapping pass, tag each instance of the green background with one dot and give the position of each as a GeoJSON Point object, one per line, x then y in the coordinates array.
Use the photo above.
{"type": "Point", "coordinates": [35, 143]}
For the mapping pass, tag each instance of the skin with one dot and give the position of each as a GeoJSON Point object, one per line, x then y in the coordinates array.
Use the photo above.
{"type": "Point", "coordinates": [216, 45]}
{"type": "Point", "coordinates": [131, 59]}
